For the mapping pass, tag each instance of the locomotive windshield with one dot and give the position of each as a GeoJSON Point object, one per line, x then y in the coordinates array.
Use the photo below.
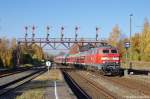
{"type": "Point", "coordinates": [105, 51]}
{"type": "Point", "coordinates": [113, 51]}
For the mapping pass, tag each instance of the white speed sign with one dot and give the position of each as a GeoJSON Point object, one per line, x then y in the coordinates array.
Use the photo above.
{"type": "Point", "coordinates": [48, 63]}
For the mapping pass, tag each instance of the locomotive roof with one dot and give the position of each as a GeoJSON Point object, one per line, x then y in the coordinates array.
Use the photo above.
{"type": "Point", "coordinates": [91, 46]}
{"type": "Point", "coordinates": [88, 47]}
{"type": "Point", "coordinates": [106, 46]}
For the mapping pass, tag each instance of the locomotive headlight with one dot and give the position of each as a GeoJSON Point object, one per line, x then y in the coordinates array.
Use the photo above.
{"type": "Point", "coordinates": [115, 58]}
{"type": "Point", "coordinates": [104, 58]}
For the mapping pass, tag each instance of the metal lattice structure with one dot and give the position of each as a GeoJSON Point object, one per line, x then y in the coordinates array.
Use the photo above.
{"type": "Point", "coordinates": [54, 43]}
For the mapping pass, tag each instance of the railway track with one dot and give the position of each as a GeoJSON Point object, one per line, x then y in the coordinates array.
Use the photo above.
{"type": "Point", "coordinates": [98, 88]}
{"type": "Point", "coordinates": [130, 84]}
{"type": "Point", "coordinates": [92, 88]}
{"type": "Point", "coordinates": [11, 72]}
{"type": "Point", "coordinates": [12, 84]}
{"type": "Point", "coordinates": [93, 84]}
{"type": "Point", "coordinates": [79, 92]}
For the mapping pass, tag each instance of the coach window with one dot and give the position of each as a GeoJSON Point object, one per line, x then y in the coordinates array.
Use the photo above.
{"type": "Point", "coordinates": [91, 52]}
{"type": "Point", "coordinates": [113, 51]}
{"type": "Point", "coordinates": [105, 51]}
{"type": "Point", "coordinates": [100, 51]}
{"type": "Point", "coordinates": [95, 51]}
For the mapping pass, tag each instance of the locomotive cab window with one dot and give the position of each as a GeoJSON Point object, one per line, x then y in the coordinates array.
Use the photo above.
{"type": "Point", "coordinates": [105, 51]}
{"type": "Point", "coordinates": [113, 51]}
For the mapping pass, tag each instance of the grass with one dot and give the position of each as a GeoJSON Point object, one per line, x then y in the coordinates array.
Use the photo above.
{"type": "Point", "coordinates": [55, 75]}
{"type": "Point", "coordinates": [32, 94]}
{"type": "Point", "coordinates": [26, 65]}
{"type": "Point", "coordinates": [137, 65]}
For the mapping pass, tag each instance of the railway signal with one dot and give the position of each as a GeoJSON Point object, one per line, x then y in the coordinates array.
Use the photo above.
{"type": "Point", "coordinates": [33, 32]}
{"type": "Point", "coordinates": [76, 30]}
{"type": "Point", "coordinates": [62, 33]}
{"type": "Point", "coordinates": [26, 34]}
{"type": "Point", "coordinates": [47, 37]}
{"type": "Point", "coordinates": [97, 30]}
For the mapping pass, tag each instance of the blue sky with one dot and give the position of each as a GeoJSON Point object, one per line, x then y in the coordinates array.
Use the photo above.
{"type": "Point", "coordinates": [15, 14]}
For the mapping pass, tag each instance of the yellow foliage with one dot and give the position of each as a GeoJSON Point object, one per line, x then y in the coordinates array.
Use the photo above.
{"type": "Point", "coordinates": [114, 36]}
{"type": "Point", "coordinates": [6, 52]}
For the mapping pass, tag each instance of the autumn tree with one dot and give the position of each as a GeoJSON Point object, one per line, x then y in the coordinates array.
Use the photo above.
{"type": "Point", "coordinates": [5, 53]}
{"type": "Point", "coordinates": [28, 54]}
{"type": "Point", "coordinates": [37, 52]}
{"type": "Point", "coordinates": [114, 36]}
{"type": "Point", "coordinates": [33, 52]}
{"type": "Point", "coordinates": [136, 47]}
{"type": "Point", "coordinates": [145, 41]}
{"type": "Point", "coordinates": [122, 51]}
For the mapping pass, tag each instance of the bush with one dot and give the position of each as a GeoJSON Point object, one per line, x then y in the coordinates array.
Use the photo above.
{"type": "Point", "coordinates": [27, 59]}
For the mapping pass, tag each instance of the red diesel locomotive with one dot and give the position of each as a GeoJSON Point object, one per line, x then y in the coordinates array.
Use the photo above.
{"type": "Point", "coordinates": [105, 58]}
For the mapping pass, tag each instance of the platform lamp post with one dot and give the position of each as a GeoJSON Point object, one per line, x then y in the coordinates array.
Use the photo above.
{"type": "Point", "coordinates": [130, 51]}
{"type": "Point", "coordinates": [47, 37]}
{"type": "Point", "coordinates": [62, 33]}
{"type": "Point", "coordinates": [76, 30]}
{"type": "Point", "coordinates": [33, 33]}
{"type": "Point", "coordinates": [97, 30]}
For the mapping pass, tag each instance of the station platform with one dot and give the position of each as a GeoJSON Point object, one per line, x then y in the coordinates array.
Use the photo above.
{"type": "Point", "coordinates": [58, 89]}
{"type": "Point", "coordinates": [49, 85]}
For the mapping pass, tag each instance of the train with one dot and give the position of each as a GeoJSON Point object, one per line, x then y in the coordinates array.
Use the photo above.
{"type": "Point", "coordinates": [104, 58]}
